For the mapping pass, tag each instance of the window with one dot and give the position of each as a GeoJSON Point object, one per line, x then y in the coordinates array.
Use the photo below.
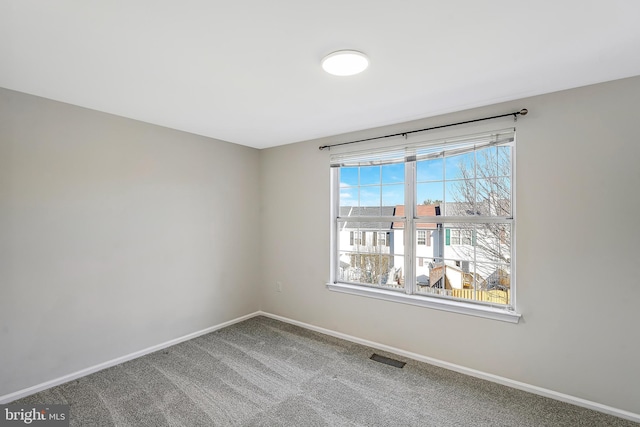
{"type": "Point", "coordinates": [356, 238]}
{"type": "Point", "coordinates": [460, 236]}
{"type": "Point", "coordinates": [441, 223]}
{"type": "Point", "coordinates": [454, 236]}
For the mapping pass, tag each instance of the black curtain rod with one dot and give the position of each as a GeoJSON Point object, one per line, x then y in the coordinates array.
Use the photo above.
{"type": "Point", "coordinates": [515, 114]}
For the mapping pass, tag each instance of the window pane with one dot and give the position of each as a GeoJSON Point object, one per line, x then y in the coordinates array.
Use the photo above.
{"type": "Point", "coordinates": [494, 283]}
{"type": "Point", "coordinates": [392, 195]}
{"type": "Point", "coordinates": [367, 268]}
{"type": "Point", "coordinates": [504, 161]}
{"type": "Point", "coordinates": [459, 198]}
{"type": "Point", "coordinates": [493, 161]}
{"type": "Point", "coordinates": [429, 247]}
{"type": "Point", "coordinates": [430, 193]}
{"type": "Point", "coordinates": [370, 196]}
{"type": "Point", "coordinates": [393, 174]}
{"type": "Point", "coordinates": [487, 162]}
{"type": "Point", "coordinates": [494, 196]}
{"type": "Point", "coordinates": [348, 198]}
{"type": "Point", "coordinates": [460, 167]}
{"type": "Point", "coordinates": [493, 243]}
{"type": "Point", "coordinates": [433, 238]}
{"type": "Point", "coordinates": [348, 176]}
{"type": "Point", "coordinates": [369, 175]}
{"type": "Point", "coordinates": [365, 237]}
{"type": "Point", "coordinates": [429, 277]}
{"type": "Point", "coordinates": [367, 254]}
{"type": "Point", "coordinates": [459, 239]}
{"type": "Point", "coordinates": [430, 170]}
{"type": "Point", "coordinates": [493, 276]}
{"type": "Point", "coordinates": [466, 280]}
{"type": "Point", "coordinates": [396, 275]}
{"type": "Point", "coordinates": [370, 269]}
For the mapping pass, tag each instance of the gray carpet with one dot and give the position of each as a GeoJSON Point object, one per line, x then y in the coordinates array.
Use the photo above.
{"type": "Point", "coordinates": [263, 372]}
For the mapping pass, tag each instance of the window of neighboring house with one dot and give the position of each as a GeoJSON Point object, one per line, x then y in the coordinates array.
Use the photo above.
{"type": "Point", "coordinates": [460, 236]}
{"type": "Point", "coordinates": [356, 238]}
{"type": "Point", "coordinates": [383, 238]}
{"type": "Point", "coordinates": [455, 237]}
{"type": "Point", "coordinates": [455, 198]}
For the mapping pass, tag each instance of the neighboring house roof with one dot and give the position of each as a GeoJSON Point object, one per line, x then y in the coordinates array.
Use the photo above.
{"type": "Point", "coordinates": [500, 207]}
{"type": "Point", "coordinates": [459, 209]}
{"type": "Point", "coordinates": [421, 210]}
{"type": "Point", "coordinates": [367, 211]}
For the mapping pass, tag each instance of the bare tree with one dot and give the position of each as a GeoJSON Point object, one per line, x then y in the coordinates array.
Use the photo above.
{"type": "Point", "coordinates": [485, 189]}
{"type": "Point", "coordinates": [371, 262]}
{"type": "Point", "coordinates": [373, 268]}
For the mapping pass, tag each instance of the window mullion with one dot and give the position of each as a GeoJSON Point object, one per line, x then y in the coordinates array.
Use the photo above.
{"type": "Point", "coordinates": [410, 227]}
{"type": "Point", "coordinates": [335, 209]}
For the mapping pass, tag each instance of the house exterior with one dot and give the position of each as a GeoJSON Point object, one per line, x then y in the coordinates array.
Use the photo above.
{"type": "Point", "coordinates": [448, 256]}
{"type": "Point", "coordinates": [428, 241]}
{"type": "Point", "coordinates": [456, 256]}
{"type": "Point", "coordinates": [366, 248]}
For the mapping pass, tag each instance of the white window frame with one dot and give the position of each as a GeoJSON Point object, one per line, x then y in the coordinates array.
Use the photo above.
{"type": "Point", "coordinates": [409, 296]}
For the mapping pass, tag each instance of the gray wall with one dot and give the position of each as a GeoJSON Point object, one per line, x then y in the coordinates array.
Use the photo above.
{"type": "Point", "coordinates": [578, 234]}
{"type": "Point", "coordinates": [115, 236]}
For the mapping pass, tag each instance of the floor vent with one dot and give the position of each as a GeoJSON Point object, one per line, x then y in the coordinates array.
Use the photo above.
{"type": "Point", "coordinates": [387, 361]}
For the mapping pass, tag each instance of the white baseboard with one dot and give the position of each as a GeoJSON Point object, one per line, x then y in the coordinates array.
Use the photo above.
{"type": "Point", "coordinates": [468, 371]}
{"type": "Point", "coordinates": [90, 370]}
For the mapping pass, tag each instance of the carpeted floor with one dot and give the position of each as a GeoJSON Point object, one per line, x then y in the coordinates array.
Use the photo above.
{"type": "Point", "coordinates": [263, 372]}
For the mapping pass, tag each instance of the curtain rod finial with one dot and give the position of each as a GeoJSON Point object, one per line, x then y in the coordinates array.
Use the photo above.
{"type": "Point", "coordinates": [524, 112]}
{"type": "Point", "coordinates": [322, 147]}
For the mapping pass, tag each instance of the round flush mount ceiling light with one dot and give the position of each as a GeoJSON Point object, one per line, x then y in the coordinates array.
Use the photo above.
{"type": "Point", "coordinates": [345, 63]}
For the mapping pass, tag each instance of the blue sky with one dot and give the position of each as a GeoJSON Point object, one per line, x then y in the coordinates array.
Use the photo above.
{"type": "Point", "coordinates": [386, 182]}
{"type": "Point", "coordinates": [437, 179]}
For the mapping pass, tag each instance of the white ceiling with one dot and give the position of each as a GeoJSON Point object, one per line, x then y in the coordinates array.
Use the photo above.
{"type": "Point", "coordinates": [248, 71]}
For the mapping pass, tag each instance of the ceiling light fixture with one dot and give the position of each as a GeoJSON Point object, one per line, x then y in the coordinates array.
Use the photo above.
{"type": "Point", "coordinates": [345, 63]}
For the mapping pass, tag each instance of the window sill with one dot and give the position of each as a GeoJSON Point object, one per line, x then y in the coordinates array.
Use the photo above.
{"type": "Point", "coordinates": [429, 302]}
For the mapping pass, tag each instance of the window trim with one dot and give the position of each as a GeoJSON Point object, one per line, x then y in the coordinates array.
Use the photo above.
{"type": "Point", "coordinates": [501, 313]}
{"type": "Point", "coordinates": [457, 306]}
